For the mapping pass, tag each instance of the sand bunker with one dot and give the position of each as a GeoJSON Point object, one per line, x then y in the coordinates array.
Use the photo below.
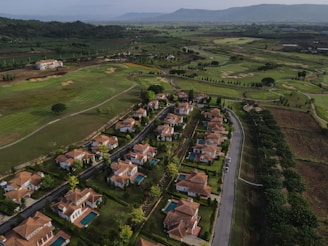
{"type": "Point", "coordinates": [289, 87]}
{"type": "Point", "coordinates": [226, 75]}
{"type": "Point", "coordinates": [45, 78]}
{"type": "Point", "coordinates": [66, 83]}
{"type": "Point", "coordinates": [164, 80]}
{"type": "Point", "coordinates": [110, 70]}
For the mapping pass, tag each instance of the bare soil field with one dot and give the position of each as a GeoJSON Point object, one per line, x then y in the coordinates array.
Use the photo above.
{"type": "Point", "coordinates": [295, 119]}
{"type": "Point", "coordinates": [310, 150]}
{"type": "Point", "coordinates": [315, 178]}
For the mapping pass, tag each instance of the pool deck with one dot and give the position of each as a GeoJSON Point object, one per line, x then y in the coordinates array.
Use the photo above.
{"type": "Point", "coordinates": [85, 212]}
{"type": "Point", "coordinates": [59, 234]}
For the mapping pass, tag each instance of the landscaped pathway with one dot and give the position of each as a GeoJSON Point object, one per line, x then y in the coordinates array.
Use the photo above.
{"type": "Point", "coordinates": [67, 116]}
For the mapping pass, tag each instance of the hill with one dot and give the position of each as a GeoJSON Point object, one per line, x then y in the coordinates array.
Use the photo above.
{"type": "Point", "coordinates": [264, 13]}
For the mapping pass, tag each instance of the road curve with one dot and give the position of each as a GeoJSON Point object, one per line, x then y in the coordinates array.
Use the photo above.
{"type": "Point", "coordinates": [223, 223]}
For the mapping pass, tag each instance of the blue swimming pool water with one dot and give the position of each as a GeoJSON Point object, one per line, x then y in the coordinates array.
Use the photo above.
{"type": "Point", "coordinates": [59, 241]}
{"type": "Point", "coordinates": [181, 176]}
{"type": "Point", "coordinates": [86, 220]}
{"type": "Point", "coordinates": [170, 207]}
{"type": "Point", "coordinates": [139, 178]}
{"type": "Point", "coordinates": [191, 156]}
{"type": "Point", "coordinates": [200, 141]}
{"type": "Point", "coordinates": [153, 161]}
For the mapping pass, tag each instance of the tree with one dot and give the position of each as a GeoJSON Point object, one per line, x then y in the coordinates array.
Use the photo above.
{"type": "Point", "coordinates": [191, 95]}
{"type": "Point", "coordinates": [103, 149]}
{"type": "Point", "coordinates": [156, 88]}
{"type": "Point", "coordinates": [172, 169]}
{"type": "Point", "coordinates": [125, 234]}
{"type": "Point", "coordinates": [148, 95]}
{"type": "Point", "coordinates": [137, 216]}
{"type": "Point", "coordinates": [73, 182]}
{"type": "Point", "coordinates": [155, 192]}
{"type": "Point", "coordinates": [47, 182]}
{"type": "Point", "coordinates": [58, 108]}
{"type": "Point", "coordinates": [268, 81]}
{"type": "Point", "coordinates": [218, 101]}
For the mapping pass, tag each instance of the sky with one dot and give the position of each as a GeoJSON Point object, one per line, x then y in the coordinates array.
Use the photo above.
{"type": "Point", "coordinates": [114, 8]}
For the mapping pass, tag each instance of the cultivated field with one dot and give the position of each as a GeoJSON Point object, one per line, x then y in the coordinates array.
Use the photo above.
{"type": "Point", "coordinates": [310, 150]}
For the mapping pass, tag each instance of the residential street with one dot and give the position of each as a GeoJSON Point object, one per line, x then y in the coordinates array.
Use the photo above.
{"type": "Point", "coordinates": [224, 221]}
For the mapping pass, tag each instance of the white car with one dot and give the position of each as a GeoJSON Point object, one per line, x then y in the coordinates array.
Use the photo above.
{"type": "Point", "coordinates": [226, 169]}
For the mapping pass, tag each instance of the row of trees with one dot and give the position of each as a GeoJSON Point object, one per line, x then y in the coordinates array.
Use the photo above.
{"type": "Point", "coordinates": [288, 219]}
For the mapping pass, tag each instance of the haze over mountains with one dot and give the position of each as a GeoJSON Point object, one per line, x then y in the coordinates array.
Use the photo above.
{"type": "Point", "coordinates": [264, 13]}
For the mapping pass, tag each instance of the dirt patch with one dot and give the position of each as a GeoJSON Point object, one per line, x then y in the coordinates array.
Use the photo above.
{"type": "Point", "coordinates": [110, 70]}
{"type": "Point", "coordinates": [294, 119]}
{"type": "Point", "coordinates": [66, 83]}
{"type": "Point", "coordinates": [8, 138]}
{"type": "Point", "coordinates": [44, 78]}
{"type": "Point", "coordinates": [315, 178]}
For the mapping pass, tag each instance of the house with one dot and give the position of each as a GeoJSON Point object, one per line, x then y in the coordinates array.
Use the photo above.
{"type": "Point", "coordinates": [184, 108]}
{"type": "Point", "coordinates": [111, 142]}
{"type": "Point", "coordinates": [76, 202]}
{"type": "Point", "coordinates": [138, 114]}
{"type": "Point", "coordinates": [66, 160]}
{"type": "Point", "coordinates": [161, 96]}
{"type": "Point", "coordinates": [215, 125]}
{"type": "Point", "coordinates": [126, 125]}
{"type": "Point", "coordinates": [201, 98]}
{"type": "Point", "coordinates": [141, 153]}
{"type": "Point", "coordinates": [182, 96]}
{"type": "Point", "coordinates": [165, 133]}
{"type": "Point", "coordinates": [214, 138]}
{"type": "Point", "coordinates": [144, 242]}
{"type": "Point", "coordinates": [124, 173]}
{"type": "Point", "coordinates": [153, 105]}
{"type": "Point", "coordinates": [213, 113]}
{"type": "Point", "coordinates": [206, 153]}
{"type": "Point", "coordinates": [48, 64]}
{"type": "Point", "coordinates": [36, 230]}
{"type": "Point", "coordinates": [183, 219]}
{"type": "Point", "coordinates": [23, 185]}
{"type": "Point", "coordinates": [173, 120]}
{"type": "Point", "coordinates": [194, 184]}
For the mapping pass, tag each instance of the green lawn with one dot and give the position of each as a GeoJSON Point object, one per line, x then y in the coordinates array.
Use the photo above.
{"type": "Point", "coordinates": [321, 103]}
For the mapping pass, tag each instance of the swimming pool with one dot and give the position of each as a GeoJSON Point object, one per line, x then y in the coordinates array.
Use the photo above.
{"type": "Point", "coordinates": [191, 156]}
{"type": "Point", "coordinates": [139, 178]}
{"type": "Point", "coordinates": [153, 161]}
{"type": "Point", "coordinates": [170, 206]}
{"type": "Point", "coordinates": [87, 219]}
{"type": "Point", "coordinates": [200, 141]}
{"type": "Point", "coordinates": [181, 176]}
{"type": "Point", "coordinates": [59, 241]}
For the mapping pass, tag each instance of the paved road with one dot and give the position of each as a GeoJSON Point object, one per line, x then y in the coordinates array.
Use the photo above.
{"type": "Point", "coordinates": [223, 223]}
{"type": "Point", "coordinates": [61, 190]}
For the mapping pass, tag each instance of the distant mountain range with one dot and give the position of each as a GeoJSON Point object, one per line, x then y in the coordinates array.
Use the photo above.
{"type": "Point", "coordinates": [263, 13]}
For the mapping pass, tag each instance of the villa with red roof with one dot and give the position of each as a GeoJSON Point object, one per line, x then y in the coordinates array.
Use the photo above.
{"type": "Point", "coordinates": [66, 160]}
{"type": "Point", "coordinates": [76, 202]}
{"type": "Point", "coordinates": [213, 113]}
{"type": "Point", "coordinates": [183, 219]}
{"type": "Point", "coordinates": [206, 153]}
{"type": "Point", "coordinates": [141, 153]}
{"type": "Point", "coordinates": [161, 96]}
{"type": "Point", "coordinates": [201, 98]}
{"type": "Point", "coordinates": [154, 104]}
{"type": "Point", "coordinates": [194, 184]}
{"type": "Point", "coordinates": [111, 142]}
{"type": "Point", "coordinates": [23, 185]}
{"type": "Point", "coordinates": [184, 108]}
{"type": "Point", "coordinates": [124, 173]}
{"type": "Point", "coordinates": [165, 133]}
{"type": "Point", "coordinates": [173, 120]}
{"type": "Point", "coordinates": [36, 230]}
{"type": "Point", "coordinates": [138, 114]}
{"type": "Point", "coordinates": [126, 125]}
{"type": "Point", "coordinates": [182, 96]}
